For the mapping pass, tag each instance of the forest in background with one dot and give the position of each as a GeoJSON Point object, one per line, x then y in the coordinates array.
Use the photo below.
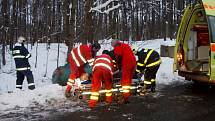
{"type": "Point", "coordinates": [86, 21]}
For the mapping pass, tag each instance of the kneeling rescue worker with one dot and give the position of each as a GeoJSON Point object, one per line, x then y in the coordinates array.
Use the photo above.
{"type": "Point", "coordinates": [148, 64]}
{"type": "Point", "coordinates": [102, 71]}
{"type": "Point", "coordinates": [83, 54]}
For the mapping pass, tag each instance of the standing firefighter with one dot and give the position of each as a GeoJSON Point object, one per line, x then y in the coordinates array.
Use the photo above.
{"type": "Point", "coordinates": [80, 56]}
{"type": "Point", "coordinates": [21, 55]}
{"type": "Point", "coordinates": [148, 64]}
{"type": "Point", "coordinates": [102, 71]}
{"type": "Point", "coordinates": [125, 59]}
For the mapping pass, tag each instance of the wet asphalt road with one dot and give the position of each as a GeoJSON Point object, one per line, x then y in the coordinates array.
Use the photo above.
{"type": "Point", "coordinates": [176, 102]}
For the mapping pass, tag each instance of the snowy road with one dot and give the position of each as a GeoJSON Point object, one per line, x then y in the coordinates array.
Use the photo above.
{"type": "Point", "coordinates": [176, 102]}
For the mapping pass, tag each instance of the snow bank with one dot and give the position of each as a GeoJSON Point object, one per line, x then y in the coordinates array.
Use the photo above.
{"type": "Point", "coordinates": [24, 98]}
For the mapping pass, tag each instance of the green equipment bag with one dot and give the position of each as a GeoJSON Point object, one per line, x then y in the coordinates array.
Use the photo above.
{"type": "Point", "coordinates": [61, 74]}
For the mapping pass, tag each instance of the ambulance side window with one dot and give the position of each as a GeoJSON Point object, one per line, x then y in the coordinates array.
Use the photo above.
{"type": "Point", "coordinates": [212, 27]}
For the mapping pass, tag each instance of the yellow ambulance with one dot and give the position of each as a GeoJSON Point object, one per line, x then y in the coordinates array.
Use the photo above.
{"type": "Point", "coordinates": [194, 55]}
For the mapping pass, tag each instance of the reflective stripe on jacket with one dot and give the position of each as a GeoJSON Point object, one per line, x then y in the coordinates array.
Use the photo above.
{"type": "Point", "coordinates": [21, 55]}
{"type": "Point", "coordinates": [82, 54]}
{"type": "Point", "coordinates": [147, 58]}
{"type": "Point", "coordinates": [103, 61]}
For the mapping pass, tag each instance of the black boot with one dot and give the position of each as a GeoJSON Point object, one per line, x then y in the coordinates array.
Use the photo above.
{"type": "Point", "coordinates": [153, 89]}
{"type": "Point", "coordinates": [32, 87]}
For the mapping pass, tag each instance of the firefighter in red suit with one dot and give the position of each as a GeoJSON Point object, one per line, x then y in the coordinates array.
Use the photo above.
{"type": "Point", "coordinates": [79, 56]}
{"type": "Point", "coordinates": [102, 71]}
{"type": "Point", "coordinates": [125, 59]}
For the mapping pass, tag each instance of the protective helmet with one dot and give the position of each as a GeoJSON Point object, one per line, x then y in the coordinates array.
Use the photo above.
{"type": "Point", "coordinates": [106, 52]}
{"type": "Point", "coordinates": [134, 48]}
{"type": "Point", "coordinates": [96, 45]}
{"type": "Point", "coordinates": [21, 39]}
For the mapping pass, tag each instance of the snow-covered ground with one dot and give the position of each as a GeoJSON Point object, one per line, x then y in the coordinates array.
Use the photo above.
{"type": "Point", "coordinates": [48, 95]}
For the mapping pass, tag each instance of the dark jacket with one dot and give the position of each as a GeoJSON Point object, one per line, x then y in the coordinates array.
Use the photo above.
{"type": "Point", "coordinates": [21, 55]}
{"type": "Point", "coordinates": [143, 62]}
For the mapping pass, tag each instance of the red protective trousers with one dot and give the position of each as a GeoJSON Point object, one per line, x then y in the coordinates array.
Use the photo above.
{"type": "Point", "coordinates": [99, 75]}
{"type": "Point", "coordinates": [127, 74]}
{"type": "Point", "coordinates": [75, 72]}
{"type": "Point", "coordinates": [125, 57]}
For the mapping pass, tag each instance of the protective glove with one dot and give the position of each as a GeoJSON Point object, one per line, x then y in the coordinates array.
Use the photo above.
{"type": "Point", "coordinates": [77, 83]}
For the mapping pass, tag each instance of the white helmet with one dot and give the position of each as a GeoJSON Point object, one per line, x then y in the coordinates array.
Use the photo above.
{"type": "Point", "coordinates": [134, 48]}
{"type": "Point", "coordinates": [21, 39]}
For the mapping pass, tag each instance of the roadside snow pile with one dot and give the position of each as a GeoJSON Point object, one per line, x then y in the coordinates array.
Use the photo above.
{"type": "Point", "coordinates": [24, 98]}
{"type": "Point", "coordinates": [35, 104]}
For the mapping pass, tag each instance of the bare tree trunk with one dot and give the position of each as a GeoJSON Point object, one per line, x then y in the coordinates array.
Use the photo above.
{"type": "Point", "coordinates": [125, 31]}
{"type": "Point", "coordinates": [13, 23]}
{"type": "Point", "coordinates": [170, 19]}
{"type": "Point", "coordinates": [59, 16]}
{"type": "Point", "coordinates": [66, 26]}
{"type": "Point", "coordinates": [35, 20]}
{"type": "Point", "coordinates": [88, 23]}
{"type": "Point", "coordinates": [5, 7]}
{"type": "Point", "coordinates": [164, 19]}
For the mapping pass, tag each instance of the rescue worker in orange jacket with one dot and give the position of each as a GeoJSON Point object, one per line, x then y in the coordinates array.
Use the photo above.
{"type": "Point", "coordinates": [102, 71]}
{"type": "Point", "coordinates": [148, 64]}
{"type": "Point", "coordinates": [125, 59]}
{"type": "Point", "coordinates": [79, 56]}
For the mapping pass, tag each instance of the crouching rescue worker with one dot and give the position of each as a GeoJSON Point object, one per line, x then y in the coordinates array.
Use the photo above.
{"type": "Point", "coordinates": [102, 71]}
{"type": "Point", "coordinates": [148, 64]}
{"type": "Point", "coordinates": [81, 55]}
{"type": "Point", "coordinates": [21, 55]}
{"type": "Point", "coordinates": [125, 59]}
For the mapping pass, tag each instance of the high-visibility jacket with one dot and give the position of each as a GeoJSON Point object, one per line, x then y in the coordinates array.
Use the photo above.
{"type": "Point", "coordinates": [82, 54]}
{"type": "Point", "coordinates": [124, 56]}
{"type": "Point", "coordinates": [103, 61]}
{"type": "Point", "coordinates": [102, 71]}
{"type": "Point", "coordinates": [147, 58]}
{"type": "Point", "coordinates": [21, 55]}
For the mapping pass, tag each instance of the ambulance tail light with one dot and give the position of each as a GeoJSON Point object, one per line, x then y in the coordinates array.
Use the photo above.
{"type": "Point", "coordinates": [179, 57]}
